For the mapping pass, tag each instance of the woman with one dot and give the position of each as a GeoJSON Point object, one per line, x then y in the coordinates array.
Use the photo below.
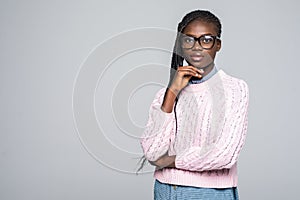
{"type": "Point", "coordinates": [197, 125]}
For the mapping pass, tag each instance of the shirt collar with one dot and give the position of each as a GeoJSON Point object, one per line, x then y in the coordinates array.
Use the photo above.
{"type": "Point", "coordinates": [206, 77]}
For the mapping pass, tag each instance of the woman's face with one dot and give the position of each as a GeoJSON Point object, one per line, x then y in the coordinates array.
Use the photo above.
{"type": "Point", "coordinates": [197, 56]}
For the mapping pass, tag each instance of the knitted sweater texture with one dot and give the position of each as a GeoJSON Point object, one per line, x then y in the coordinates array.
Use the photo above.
{"type": "Point", "coordinates": [206, 131]}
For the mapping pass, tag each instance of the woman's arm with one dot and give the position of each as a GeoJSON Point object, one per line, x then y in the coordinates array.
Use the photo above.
{"type": "Point", "coordinates": [225, 152]}
{"type": "Point", "coordinates": [160, 128]}
{"type": "Point", "coordinates": [167, 106]}
{"type": "Point", "coordinates": [158, 132]}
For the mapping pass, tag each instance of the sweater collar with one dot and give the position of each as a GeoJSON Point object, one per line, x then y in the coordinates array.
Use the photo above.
{"type": "Point", "coordinates": [215, 79]}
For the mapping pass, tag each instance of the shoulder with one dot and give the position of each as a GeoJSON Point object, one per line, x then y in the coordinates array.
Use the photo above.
{"type": "Point", "coordinates": [160, 95]}
{"type": "Point", "coordinates": [234, 83]}
{"type": "Point", "coordinates": [160, 92]}
{"type": "Point", "coordinates": [236, 89]}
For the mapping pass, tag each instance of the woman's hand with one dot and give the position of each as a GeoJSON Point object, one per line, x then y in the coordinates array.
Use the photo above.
{"type": "Point", "coordinates": [182, 77]}
{"type": "Point", "coordinates": [164, 161]}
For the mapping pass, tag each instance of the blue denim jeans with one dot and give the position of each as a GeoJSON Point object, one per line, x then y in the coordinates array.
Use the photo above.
{"type": "Point", "coordinates": [164, 191]}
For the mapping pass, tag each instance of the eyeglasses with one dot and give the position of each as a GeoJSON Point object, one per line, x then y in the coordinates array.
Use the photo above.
{"type": "Point", "coordinates": [206, 41]}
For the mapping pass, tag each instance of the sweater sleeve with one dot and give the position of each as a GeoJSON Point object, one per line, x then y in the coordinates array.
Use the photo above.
{"type": "Point", "coordinates": [159, 130]}
{"type": "Point", "coordinates": [224, 153]}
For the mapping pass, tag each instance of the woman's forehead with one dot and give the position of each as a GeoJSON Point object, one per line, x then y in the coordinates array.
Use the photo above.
{"type": "Point", "coordinates": [198, 27]}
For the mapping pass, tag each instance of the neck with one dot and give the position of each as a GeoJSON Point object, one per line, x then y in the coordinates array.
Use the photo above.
{"type": "Point", "coordinates": [208, 68]}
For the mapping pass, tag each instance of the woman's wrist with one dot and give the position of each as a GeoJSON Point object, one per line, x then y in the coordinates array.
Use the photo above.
{"type": "Point", "coordinates": [172, 165]}
{"type": "Point", "coordinates": [174, 89]}
{"type": "Point", "coordinates": [164, 161]}
{"type": "Point", "coordinates": [169, 100]}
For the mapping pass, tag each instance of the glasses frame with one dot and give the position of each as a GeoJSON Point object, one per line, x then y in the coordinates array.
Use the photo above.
{"type": "Point", "coordinates": [197, 39]}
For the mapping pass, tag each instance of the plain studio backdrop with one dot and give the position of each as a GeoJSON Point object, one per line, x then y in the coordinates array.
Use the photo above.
{"type": "Point", "coordinates": [44, 154]}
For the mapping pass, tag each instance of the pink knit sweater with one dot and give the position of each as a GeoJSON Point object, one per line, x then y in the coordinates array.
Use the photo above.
{"type": "Point", "coordinates": [212, 119]}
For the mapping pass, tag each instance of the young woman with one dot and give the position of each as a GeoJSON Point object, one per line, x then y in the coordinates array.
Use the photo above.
{"type": "Point", "coordinates": [197, 125]}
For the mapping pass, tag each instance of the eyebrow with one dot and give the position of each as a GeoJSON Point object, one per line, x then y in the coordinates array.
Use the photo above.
{"type": "Point", "coordinates": [188, 34]}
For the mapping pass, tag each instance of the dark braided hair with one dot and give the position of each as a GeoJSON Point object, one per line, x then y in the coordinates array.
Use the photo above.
{"type": "Point", "coordinates": [177, 55]}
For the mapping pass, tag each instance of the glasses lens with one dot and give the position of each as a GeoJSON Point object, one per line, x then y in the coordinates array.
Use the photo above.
{"type": "Point", "coordinates": [187, 42]}
{"type": "Point", "coordinates": [207, 41]}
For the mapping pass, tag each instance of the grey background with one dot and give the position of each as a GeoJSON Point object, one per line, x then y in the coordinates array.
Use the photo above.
{"type": "Point", "coordinates": [43, 45]}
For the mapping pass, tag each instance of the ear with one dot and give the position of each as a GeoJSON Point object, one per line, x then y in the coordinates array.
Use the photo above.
{"type": "Point", "coordinates": [219, 45]}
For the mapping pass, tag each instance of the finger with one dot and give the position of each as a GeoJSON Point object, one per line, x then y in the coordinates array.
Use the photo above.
{"type": "Point", "coordinates": [201, 71]}
{"type": "Point", "coordinates": [191, 71]}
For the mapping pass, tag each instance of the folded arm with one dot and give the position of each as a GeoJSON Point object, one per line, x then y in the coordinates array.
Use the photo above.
{"type": "Point", "coordinates": [224, 152]}
{"type": "Point", "coordinates": [159, 130]}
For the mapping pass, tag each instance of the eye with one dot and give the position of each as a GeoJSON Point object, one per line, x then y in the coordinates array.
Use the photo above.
{"type": "Point", "coordinates": [207, 39]}
{"type": "Point", "coordinates": [188, 39]}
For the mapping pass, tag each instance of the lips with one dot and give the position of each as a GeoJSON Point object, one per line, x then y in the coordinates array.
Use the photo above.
{"type": "Point", "coordinates": [196, 57]}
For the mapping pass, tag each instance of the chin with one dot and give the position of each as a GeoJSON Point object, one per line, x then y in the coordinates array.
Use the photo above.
{"type": "Point", "coordinates": [198, 65]}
